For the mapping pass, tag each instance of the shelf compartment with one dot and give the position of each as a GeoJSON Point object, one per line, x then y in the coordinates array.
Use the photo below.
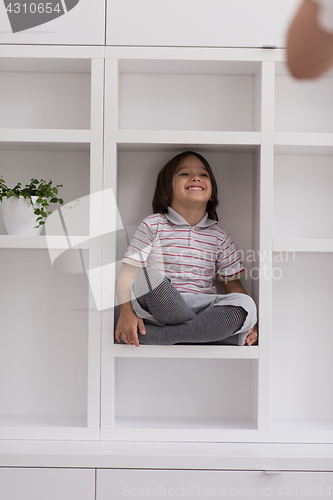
{"type": "Point", "coordinates": [301, 344]}
{"type": "Point", "coordinates": [137, 174]}
{"type": "Point", "coordinates": [303, 107]}
{"type": "Point", "coordinates": [178, 351]}
{"type": "Point", "coordinates": [170, 392]}
{"type": "Point", "coordinates": [153, 95]}
{"type": "Point", "coordinates": [41, 242]}
{"type": "Point", "coordinates": [26, 96]}
{"type": "Point", "coordinates": [44, 358]}
{"type": "Point", "coordinates": [302, 197]}
{"type": "Point", "coordinates": [71, 168]}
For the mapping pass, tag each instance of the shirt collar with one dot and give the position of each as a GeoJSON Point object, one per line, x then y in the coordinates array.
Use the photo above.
{"type": "Point", "coordinates": [177, 219]}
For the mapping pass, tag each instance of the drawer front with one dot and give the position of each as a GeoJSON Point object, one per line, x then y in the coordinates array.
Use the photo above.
{"type": "Point", "coordinates": [47, 484]}
{"type": "Point", "coordinates": [120, 484]}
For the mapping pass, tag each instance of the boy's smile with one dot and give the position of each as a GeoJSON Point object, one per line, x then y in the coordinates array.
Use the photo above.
{"type": "Point", "coordinates": [191, 185]}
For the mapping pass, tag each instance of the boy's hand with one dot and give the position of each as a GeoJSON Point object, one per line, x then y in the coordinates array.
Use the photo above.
{"type": "Point", "coordinates": [127, 328]}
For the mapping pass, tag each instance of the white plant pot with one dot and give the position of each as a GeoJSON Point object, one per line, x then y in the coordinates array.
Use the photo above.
{"type": "Point", "coordinates": [18, 216]}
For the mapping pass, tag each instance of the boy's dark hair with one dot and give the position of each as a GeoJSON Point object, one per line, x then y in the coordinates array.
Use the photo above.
{"type": "Point", "coordinates": [163, 190]}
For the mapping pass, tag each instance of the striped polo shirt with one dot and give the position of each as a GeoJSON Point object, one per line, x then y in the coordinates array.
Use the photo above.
{"type": "Point", "coordinates": [192, 256]}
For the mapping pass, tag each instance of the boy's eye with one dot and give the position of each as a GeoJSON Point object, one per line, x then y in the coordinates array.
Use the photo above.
{"type": "Point", "coordinates": [202, 175]}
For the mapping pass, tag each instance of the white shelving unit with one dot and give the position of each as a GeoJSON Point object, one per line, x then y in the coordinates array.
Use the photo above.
{"type": "Point", "coordinates": [302, 230]}
{"type": "Point", "coordinates": [271, 152]}
{"type": "Point", "coordinates": [241, 110]}
{"type": "Point", "coordinates": [51, 127]}
{"type": "Point", "coordinates": [160, 102]}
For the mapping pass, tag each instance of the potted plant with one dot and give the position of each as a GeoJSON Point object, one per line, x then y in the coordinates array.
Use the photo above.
{"type": "Point", "coordinates": [26, 208]}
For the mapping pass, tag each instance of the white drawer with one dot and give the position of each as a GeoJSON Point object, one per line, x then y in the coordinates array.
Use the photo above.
{"type": "Point", "coordinates": [117, 484]}
{"type": "Point", "coordinates": [47, 484]}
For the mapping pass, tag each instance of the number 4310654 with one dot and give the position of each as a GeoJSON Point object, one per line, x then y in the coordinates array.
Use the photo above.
{"type": "Point", "coordinates": [33, 8]}
{"type": "Point", "coordinates": [304, 491]}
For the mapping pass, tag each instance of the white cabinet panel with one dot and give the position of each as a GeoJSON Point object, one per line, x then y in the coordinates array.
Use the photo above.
{"type": "Point", "coordinates": [75, 22]}
{"type": "Point", "coordinates": [49, 368]}
{"type": "Point", "coordinates": [217, 484]}
{"type": "Point", "coordinates": [47, 484]}
{"type": "Point", "coordinates": [212, 23]}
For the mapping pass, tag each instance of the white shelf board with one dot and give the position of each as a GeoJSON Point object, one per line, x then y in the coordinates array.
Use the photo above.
{"type": "Point", "coordinates": [186, 351]}
{"type": "Point", "coordinates": [183, 423]}
{"type": "Point", "coordinates": [167, 455]}
{"type": "Point", "coordinates": [302, 245]}
{"type": "Point", "coordinates": [241, 60]}
{"type": "Point", "coordinates": [301, 424]}
{"type": "Point", "coordinates": [240, 431]}
{"type": "Point", "coordinates": [150, 140]}
{"type": "Point", "coordinates": [176, 429]}
{"type": "Point", "coordinates": [42, 421]}
{"type": "Point", "coordinates": [47, 139]}
{"type": "Point", "coordinates": [303, 143]}
{"type": "Point", "coordinates": [40, 242]}
{"type": "Point", "coordinates": [46, 427]}
{"type": "Point", "coordinates": [49, 58]}
{"type": "Point", "coordinates": [281, 68]}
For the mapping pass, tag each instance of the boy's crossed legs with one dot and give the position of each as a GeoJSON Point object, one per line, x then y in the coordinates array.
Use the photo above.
{"type": "Point", "coordinates": [159, 297]}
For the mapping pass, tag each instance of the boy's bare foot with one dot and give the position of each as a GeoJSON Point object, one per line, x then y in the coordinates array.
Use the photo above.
{"type": "Point", "coordinates": [252, 337]}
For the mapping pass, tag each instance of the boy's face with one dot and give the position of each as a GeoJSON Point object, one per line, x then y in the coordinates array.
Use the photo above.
{"type": "Point", "coordinates": [191, 184]}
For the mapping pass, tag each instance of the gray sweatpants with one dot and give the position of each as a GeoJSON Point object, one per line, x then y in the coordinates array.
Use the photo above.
{"type": "Point", "coordinates": [189, 317]}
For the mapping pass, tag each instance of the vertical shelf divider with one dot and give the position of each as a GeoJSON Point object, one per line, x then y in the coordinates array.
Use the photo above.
{"type": "Point", "coordinates": [109, 272]}
{"type": "Point", "coordinates": [256, 232]}
{"type": "Point", "coordinates": [95, 226]}
{"type": "Point", "coordinates": [265, 244]}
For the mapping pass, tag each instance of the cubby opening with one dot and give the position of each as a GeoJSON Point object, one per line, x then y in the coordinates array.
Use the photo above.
{"type": "Point", "coordinates": [44, 343]}
{"type": "Point", "coordinates": [66, 167]}
{"type": "Point", "coordinates": [183, 393]}
{"type": "Point", "coordinates": [188, 95]}
{"type": "Point", "coordinates": [234, 173]}
{"type": "Point", "coordinates": [45, 94]}
{"type": "Point", "coordinates": [301, 343]}
{"type": "Point", "coordinates": [302, 106]}
{"type": "Point", "coordinates": [303, 196]}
